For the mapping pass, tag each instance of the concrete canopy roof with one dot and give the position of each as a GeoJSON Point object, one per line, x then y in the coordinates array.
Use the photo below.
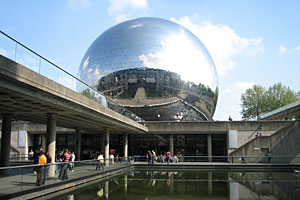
{"type": "Point", "coordinates": [29, 96]}
{"type": "Point", "coordinates": [284, 112]}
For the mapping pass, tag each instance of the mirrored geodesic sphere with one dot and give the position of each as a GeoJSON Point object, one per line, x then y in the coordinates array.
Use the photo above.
{"type": "Point", "coordinates": [154, 67]}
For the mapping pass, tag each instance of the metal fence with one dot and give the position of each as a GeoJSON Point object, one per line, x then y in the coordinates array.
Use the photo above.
{"type": "Point", "coordinates": [226, 159]}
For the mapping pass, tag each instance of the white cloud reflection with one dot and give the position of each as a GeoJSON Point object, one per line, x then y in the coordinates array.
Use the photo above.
{"type": "Point", "coordinates": [179, 54]}
{"type": "Point", "coordinates": [222, 42]}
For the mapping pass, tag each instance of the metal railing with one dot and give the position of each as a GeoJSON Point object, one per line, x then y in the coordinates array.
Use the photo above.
{"type": "Point", "coordinates": [16, 51]}
{"type": "Point", "coordinates": [23, 178]}
{"type": "Point", "coordinates": [226, 159]}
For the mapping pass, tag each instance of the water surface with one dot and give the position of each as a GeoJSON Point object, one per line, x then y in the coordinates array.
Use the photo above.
{"type": "Point", "coordinates": [191, 184]}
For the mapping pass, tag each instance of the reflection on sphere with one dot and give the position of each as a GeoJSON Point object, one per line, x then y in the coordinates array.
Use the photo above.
{"type": "Point", "coordinates": [155, 68]}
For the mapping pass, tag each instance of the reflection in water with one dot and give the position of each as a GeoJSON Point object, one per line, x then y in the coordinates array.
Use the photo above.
{"type": "Point", "coordinates": [192, 184]}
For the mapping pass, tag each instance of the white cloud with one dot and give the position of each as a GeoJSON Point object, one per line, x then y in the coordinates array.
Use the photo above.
{"type": "Point", "coordinates": [10, 53]}
{"type": "Point", "coordinates": [222, 42]}
{"type": "Point", "coordinates": [122, 10]}
{"type": "Point", "coordinates": [118, 6]}
{"type": "Point", "coordinates": [282, 49]}
{"type": "Point", "coordinates": [229, 102]}
{"type": "Point", "coordinates": [68, 82]}
{"type": "Point", "coordinates": [178, 51]}
{"type": "Point", "coordinates": [78, 3]}
{"type": "Point", "coordinates": [297, 48]}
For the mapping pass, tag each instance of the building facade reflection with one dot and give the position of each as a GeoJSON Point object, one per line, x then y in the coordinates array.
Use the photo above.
{"type": "Point", "coordinates": [155, 68]}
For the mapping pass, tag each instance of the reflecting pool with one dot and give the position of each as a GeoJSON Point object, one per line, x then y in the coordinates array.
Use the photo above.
{"type": "Point", "coordinates": [191, 184]}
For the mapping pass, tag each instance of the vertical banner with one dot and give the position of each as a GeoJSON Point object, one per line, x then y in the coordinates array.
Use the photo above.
{"type": "Point", "coordinates": [233, 144]}
{"type": "Point", "coordinates": [22, 138]}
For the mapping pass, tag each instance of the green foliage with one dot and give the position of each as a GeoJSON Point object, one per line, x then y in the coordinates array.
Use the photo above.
{"type": "Point", "coordinates": [257, 100]}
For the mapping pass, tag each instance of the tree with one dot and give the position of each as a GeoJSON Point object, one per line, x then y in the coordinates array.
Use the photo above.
{"type": "Point", "coordinates": [279, 95]}
{"type": "Point", "coordinates": [253, 102]}
{"type": "Point", "coordinates": [257, 100]}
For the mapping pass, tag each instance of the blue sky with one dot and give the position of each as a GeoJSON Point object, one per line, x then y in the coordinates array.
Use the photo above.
{"type": "Point", "coordinates": [250, 41]}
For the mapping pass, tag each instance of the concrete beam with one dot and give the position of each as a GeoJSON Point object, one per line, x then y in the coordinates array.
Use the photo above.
{"type": "Point", "coordinates": [205, 127]}
{"type": "Point", "coordinates": [24, 86]}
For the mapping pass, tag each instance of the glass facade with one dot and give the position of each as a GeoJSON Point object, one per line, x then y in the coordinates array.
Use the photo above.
{"type": "Point", "coordinates": [138, 145]}
{"type": "Point", "coordinates": [184, 145]}
{"type": "Point", "coordinates": [152, 63]}
{"type": "Point", "coordinates": [65, 141]}
{"type": "Point", "coordinates": [191, 145]}
{"type": "Point", "coordinates": [141, 144]}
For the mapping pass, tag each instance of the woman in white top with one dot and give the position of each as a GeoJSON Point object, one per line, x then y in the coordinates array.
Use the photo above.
{"type": "Point", "coordinates": [72, 161]}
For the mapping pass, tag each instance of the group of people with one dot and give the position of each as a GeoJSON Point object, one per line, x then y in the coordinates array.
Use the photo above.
{"type": "Point", "coordinates": [152, 157]}
{"type": "Point", "coordinates": [67, 158]}
{"type": "Point", "coordinates": [100, 158]}
{"type": "Point", "coordinates": [257, 134]}
{"type": "Point", "coordinates": [40, 158]}
{"type": "Point", "coordinates": [44, 159]}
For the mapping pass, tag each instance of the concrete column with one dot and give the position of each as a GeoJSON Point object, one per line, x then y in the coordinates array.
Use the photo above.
{"type": "Point", "coordinates": [102, 144]}
{"type": "Point", "coordinates": [5, 139]}
{"type": "Point", "coordinates": [125, 185]}
{"type": "Point", "coordinates": [51, 140]}
{"type": "Point", "coordinates": [106, 146]}
{"type": "Point", "coordinates": [209, 148]}
{"type": "Point", "coordinates": [125, 146]}
{"type": "Point", "coordinates": [209, 182]}
{"type": "Point", "coordinates": [26, 150]}
{"type": "Point", "coordinates": [171, 145]}
{"type": "Point", "coordinates": [172, 182]}
{"type": "Point", "coordinates": [44, 141]}
{"type": "Point", "coordinates": [78, 143]}
{"type": "Point", "coordinates": [106, 189]}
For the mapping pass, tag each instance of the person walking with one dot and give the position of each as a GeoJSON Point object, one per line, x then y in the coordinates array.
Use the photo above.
{"type": "Point", "coordinates": [30, 154]}
{"type": "Point", "coordinates": [153, 156]}
{"type": "Point", "coordinates": [49, 161]}
{"type": "Point", "coordinates": [40, 169]}
{"type": "Point", "coordinates": [149, 157]}
{"type": "Point", "coordinates": [269, 155]}
{"type": "Point", "coordinates": [72, 161]}
{"type": "Point", "coordinates": [112, 158]}
{"type": "Point", "coordinates": [100, 164]}
{"type": "Point", "coordinates": [64, 169]}
{"type": "Point", "coordinates": [168, 157]}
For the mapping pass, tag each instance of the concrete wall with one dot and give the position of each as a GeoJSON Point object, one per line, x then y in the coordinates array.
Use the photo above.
{"type": "Point", "coordinates": [283, 145]}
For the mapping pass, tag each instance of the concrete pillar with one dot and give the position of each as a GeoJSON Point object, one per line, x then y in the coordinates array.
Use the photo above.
{"type": "Point", "coordinates": [44, 142]}
{"type": "Point", "coordinates": [125, 146]}
{"type": "Point", "coordinates": [125, 185]}
{"type": "Point", "coordinates": [171, 145]}
{"type": "Point", "coordinates": [106, 146]}
{"type": "Point", "coordinates": [209, 182]}
{"type": "Point", "coordinates": [209, 148]}
{"type": "Point", "coordinates": [51, 140]}
{"type": "Point", "coordinates": [26, 150]}
{"type": "Point", "coordinates": [102, 144]}
{"type": "Point", "coordinates": [5, 139]}
{"type": "Point", "coordinates": [78, 143]}
{"type": "Point", "coordinates": [172, 183]}
{"type": "Point", "coordinates": [106, 189]}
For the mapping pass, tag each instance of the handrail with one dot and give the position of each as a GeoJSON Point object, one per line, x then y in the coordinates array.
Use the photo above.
{"type": "Point", "coordinates": [107, 102]}
{"type": "Point", "coordinates": [48, 61]}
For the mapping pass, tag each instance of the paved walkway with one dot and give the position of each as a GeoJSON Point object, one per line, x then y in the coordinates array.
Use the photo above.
{"type": "Point", "coordinates": [25, 179]}
{"type": "Point", "coordinates": [24, 182]}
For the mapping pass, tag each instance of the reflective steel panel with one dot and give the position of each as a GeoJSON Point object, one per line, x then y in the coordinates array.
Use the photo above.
{"type": "Point", "coordinates": [155, 68]}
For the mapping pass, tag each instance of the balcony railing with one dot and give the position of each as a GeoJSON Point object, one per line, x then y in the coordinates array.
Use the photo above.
{"type": "Point", "coordinates": [16, 51]}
